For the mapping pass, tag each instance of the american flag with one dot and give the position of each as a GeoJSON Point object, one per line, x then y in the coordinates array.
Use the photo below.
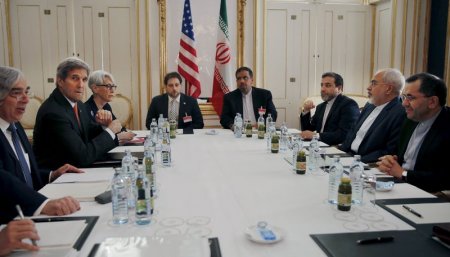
{"type": "Point", "coordinates": [187, 57]}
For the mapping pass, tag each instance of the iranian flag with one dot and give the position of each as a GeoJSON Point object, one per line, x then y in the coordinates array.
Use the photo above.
{"type": "Point", "coordinates": [222, 70]}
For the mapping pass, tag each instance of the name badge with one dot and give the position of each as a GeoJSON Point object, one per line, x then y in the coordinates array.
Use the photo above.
{"type": "Point", "coordinates": [261, 111]}
{"type": "Point", "coordinates": [187, 119]}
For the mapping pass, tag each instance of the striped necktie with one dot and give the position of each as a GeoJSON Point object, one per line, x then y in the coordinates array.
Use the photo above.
{"type": "Point", "coordinates": [23, 163]}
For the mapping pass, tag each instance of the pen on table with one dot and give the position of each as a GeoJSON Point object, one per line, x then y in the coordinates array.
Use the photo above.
{"type": "Point", "coordinates": [412, 211]}
{"type": "Point", "coordinates": [19, 210]}
{"type": "Point", "coordinates": [375, 240]}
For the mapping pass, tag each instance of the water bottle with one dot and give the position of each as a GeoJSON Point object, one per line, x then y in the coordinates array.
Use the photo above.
{"type": "Point", "coordinates": [154, 131]}
{"type": "Point", "coordinates": [166, 126]}
{"type": "Point", "coordinates": [261, 127]}
{"type": "Point", "coordinates": [269, 120]}
{"type": "Point", "coordinates": [238, 124]}
{"type": "Point", "coordinates": [356, 171]}
{"type": "Point", "coordinates": [314, 155]}
{"type": "Point", "coordinates": [160, 121]}
{"type": "Point", "coordinates": [166, 158]}
{"type": "Point", "coordinates": [283, 137]}
{"type": "Point", "coordinates": [129, 175]}
{"type": "Point", "coordinates": [335, 174]}
{"type": "Point", "coordinates": [296, 146]}
{"type": "Point", "coordinates": [119, 198]}
{"type": "Point", "coordinates": [149, 167]}
{"type": "Point", "coordinates": [143, 199]}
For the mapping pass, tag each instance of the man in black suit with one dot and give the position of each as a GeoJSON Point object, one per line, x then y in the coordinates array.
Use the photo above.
{"type": "Point", "coordinates": [64, 132]}
{"type": "Point", "coordinates": [334, 117]}
{"type": "Point", "coordinates": [422, 154]}
{"type": "Point", "coordinates": [246, 100]}
{"type": "Point", "coordinates": [20, 176]}
{"type": "Point", "coordinates": [175, 105]}
{"type": "Point", "coordinates": [377, 130]}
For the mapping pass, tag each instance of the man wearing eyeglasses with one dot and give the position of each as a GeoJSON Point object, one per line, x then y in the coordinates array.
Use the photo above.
{"type": "Point", "coordinates": [63, 131]}
{"type": "Point", "coordinates": [20, 174]}
{"type": "Point", "coordinates": [422, 154]}
{"type": "Point", "coordinates": [103, 90]}
{"type": "Point", "coordinates": [247, 100]}
{"type": "Point", "coordinates": [377, 130]}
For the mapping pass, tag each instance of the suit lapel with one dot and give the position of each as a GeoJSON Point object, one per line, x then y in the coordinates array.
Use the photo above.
{"type": "Point", "coordinates": [165, 105]}
{"type": "Point", "coordinates": [320, 113]}
{"type": "Point", "coordinates": [366, 112]}
{"type": "Point", "coordinates": [182, 109]}
{"type": "Point", "coordinates": [238, 101]}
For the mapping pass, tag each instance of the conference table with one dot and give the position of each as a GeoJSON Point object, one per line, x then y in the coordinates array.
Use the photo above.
{"type": "Point", "coordinates": [218, 186]}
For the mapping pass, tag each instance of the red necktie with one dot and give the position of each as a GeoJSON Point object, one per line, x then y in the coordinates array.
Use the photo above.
{"type": "Point", "coordinates": [75, 110]}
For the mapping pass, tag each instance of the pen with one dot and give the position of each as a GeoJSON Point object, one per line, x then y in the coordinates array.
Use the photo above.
{"type": "Point", "coordinates": [412, 211]}
{"type": "Point", "coordinates": [375, 240]}
{"type": "Point", "coordinates": [19, 210]}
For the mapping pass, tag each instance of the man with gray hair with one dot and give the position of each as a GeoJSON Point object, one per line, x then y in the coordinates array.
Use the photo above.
{"type": "Point", "coordinates": [63, 131]}
{"type": "Point", "coordinates": [377, 130]}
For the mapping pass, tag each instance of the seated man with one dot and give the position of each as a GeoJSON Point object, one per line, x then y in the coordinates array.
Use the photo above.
{"type": "Point", "coordinates": [246, 100]}
{"type": "Point", "coordinates": [175, 105]}
{"type": "Point", "coordinates": [103, 90]}
{"type": "Point", "coordinates": [422, 154]}
{"type": "Point", "coordinates": [334, 117]}
{"type": "Point", "coordinates": [377, 130]}
{"type": "Point", "coordinates": [64, 132]}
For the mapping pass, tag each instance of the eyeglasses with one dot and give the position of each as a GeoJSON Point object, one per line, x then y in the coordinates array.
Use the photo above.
{"type": "Point", "coordinates": [411, 98]}
{"type": "Point", "coordinates": [109, 86]}
{"type": "Point", "coordinates": [374, 83]}
{"type": "Point", "coordinates": [20, 94]}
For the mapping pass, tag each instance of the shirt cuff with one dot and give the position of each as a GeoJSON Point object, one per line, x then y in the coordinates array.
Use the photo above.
{"type": "Point", "coordinates": [113, 136]}
{"type": "Point", "coordinates": [38, 210]}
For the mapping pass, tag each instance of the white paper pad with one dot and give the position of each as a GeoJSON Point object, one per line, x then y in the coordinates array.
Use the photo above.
{"type": "Point", "coordinates": [89, 175]}
{"type": "Point", "coordinates": [133, 148]}
{"type": "Point", "coordinates": [321, 144]}
{"type": "Point", "coordinates": [81, 191]}
{"type": "Point", "coordinates": [59, 234]}
{"type": "Point", "coordinates": [173, 246]}
{"type": "Point", "coordinates": [431, 212]}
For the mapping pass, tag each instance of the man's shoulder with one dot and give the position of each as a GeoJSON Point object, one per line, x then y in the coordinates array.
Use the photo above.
{"type": "Point", "coordinates": [261, 90]}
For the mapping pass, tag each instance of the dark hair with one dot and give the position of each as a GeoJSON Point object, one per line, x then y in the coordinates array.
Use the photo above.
{"type": "Point", "coordinates": [172, 75]}
{"type": "Point", "coordinates": [243, 68]}
{"type": "Point", "coordinates": [430, 85]}
{"type": "Point", "coordinates": [338, 80]}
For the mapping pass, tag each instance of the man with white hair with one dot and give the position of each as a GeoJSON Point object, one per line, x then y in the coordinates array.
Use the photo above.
{"type": "Point", "coordinates": [377, 129]}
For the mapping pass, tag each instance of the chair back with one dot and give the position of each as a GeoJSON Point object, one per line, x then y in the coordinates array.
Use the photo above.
{"type": "Point", "coordinates": [29, 117]}
{"type": "Point", "coordinates": [122, 109]}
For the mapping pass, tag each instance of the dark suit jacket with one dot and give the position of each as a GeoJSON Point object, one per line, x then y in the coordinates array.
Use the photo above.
{"type": "Point", "coordinates": [10, 163]}
{"type": "Point", "coordinates": [431, 171]}
{"type": "Point", "coordinates": [232, 104]}
{"type": "Point", "coordinates": [13, 192]}
{"type": "Point", "coordinates": [342, 116]}
{"type": "Point", "coordinates": [382, 137]}
{"type": "Point", "coordinates": [188, 106]}
{"type": "Point", "coordinates": [58, 139]}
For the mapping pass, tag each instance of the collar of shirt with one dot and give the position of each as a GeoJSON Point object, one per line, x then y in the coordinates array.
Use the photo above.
{"type": "Point", "coordinates": [430, 121]}
{"type": "Point", "coordinates": [331, 102]}
{"type": "Point", "coordinates": [4, 125]}
{"type": "Point", "coordinates": [176, 99]}
{"type": "Point", "coordinates": [70, 102]}
{"type": "Point", "coordinates": [249, 94]}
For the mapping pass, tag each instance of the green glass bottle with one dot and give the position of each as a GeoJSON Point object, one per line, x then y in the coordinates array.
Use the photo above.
{"type": "Point", "coordinates": [300, 164]}
{"type": "Point", "coordinates": [248, 128]}
{"type": "Point", "coordinates": [275, 143]}
{"type": "Point", "coordinates": [344, 195]}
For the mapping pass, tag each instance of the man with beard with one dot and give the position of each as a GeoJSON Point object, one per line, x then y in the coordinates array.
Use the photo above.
{"type": "Point", "coordinates": [377, 130]}
{"type": "Point", "coordinates": [246, 100]}
{"type": "Point", "coordinates": [334, 117]}
{"type": "Point", "coordinates": [422, 154]}
{"type": "Point", "coordinates": [174, 105]}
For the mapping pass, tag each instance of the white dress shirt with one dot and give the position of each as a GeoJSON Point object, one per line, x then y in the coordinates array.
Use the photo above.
{"type": "Point", "coordinates": [247, 107]}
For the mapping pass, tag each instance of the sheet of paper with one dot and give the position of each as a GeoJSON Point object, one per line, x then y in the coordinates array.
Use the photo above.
{"type": "Point", "coordinates": [321, 144]}
{"type": "Point", "coordinates": [431, 212]}
{"type": "Point", "coordinates": [59, 234]}
{"type": "Point", "coordinates": [84, 192]}
{"type": "Point", "coordinates": [89, 175]}
{"type": "Point", "coordinates": [133, 148]}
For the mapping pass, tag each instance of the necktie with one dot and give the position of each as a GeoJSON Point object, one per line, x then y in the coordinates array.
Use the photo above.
{"type": "Point", "coordinates": [75, 110]}
{"type": "Point", "coordinates": [20, 155]}
{"type": "Point", "coordinates": [173, 111]}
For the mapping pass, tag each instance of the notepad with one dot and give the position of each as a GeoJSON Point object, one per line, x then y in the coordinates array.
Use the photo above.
{"type": "Point", "coordinates": [431, 212]}
{"type": "Point", "coordinates": [59, 234]}
{"type": "Point", "coordinates": [84, 192]}
{"type": "Point", "coordinates": [89, 176]}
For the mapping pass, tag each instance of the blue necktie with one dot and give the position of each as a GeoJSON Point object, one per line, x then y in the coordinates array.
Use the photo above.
{"type": "Point", "coordinates": [20, 155]}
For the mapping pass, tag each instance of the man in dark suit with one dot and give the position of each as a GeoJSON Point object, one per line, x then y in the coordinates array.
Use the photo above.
{"type": "Point", "coordinates": [20, 176]}
{"type": "Point", "coordinates": [377, 129]}
{"type": "Point", "coordinates": [422, 154]}
{"type": "Point", "coordinates": [334, 117]}
{"type": "Point", "coordinates": [246, 100]}
{"type": "Point", "coordinates": [64, 132]}
{"type": "Point", "coordinates": [175, 105]}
